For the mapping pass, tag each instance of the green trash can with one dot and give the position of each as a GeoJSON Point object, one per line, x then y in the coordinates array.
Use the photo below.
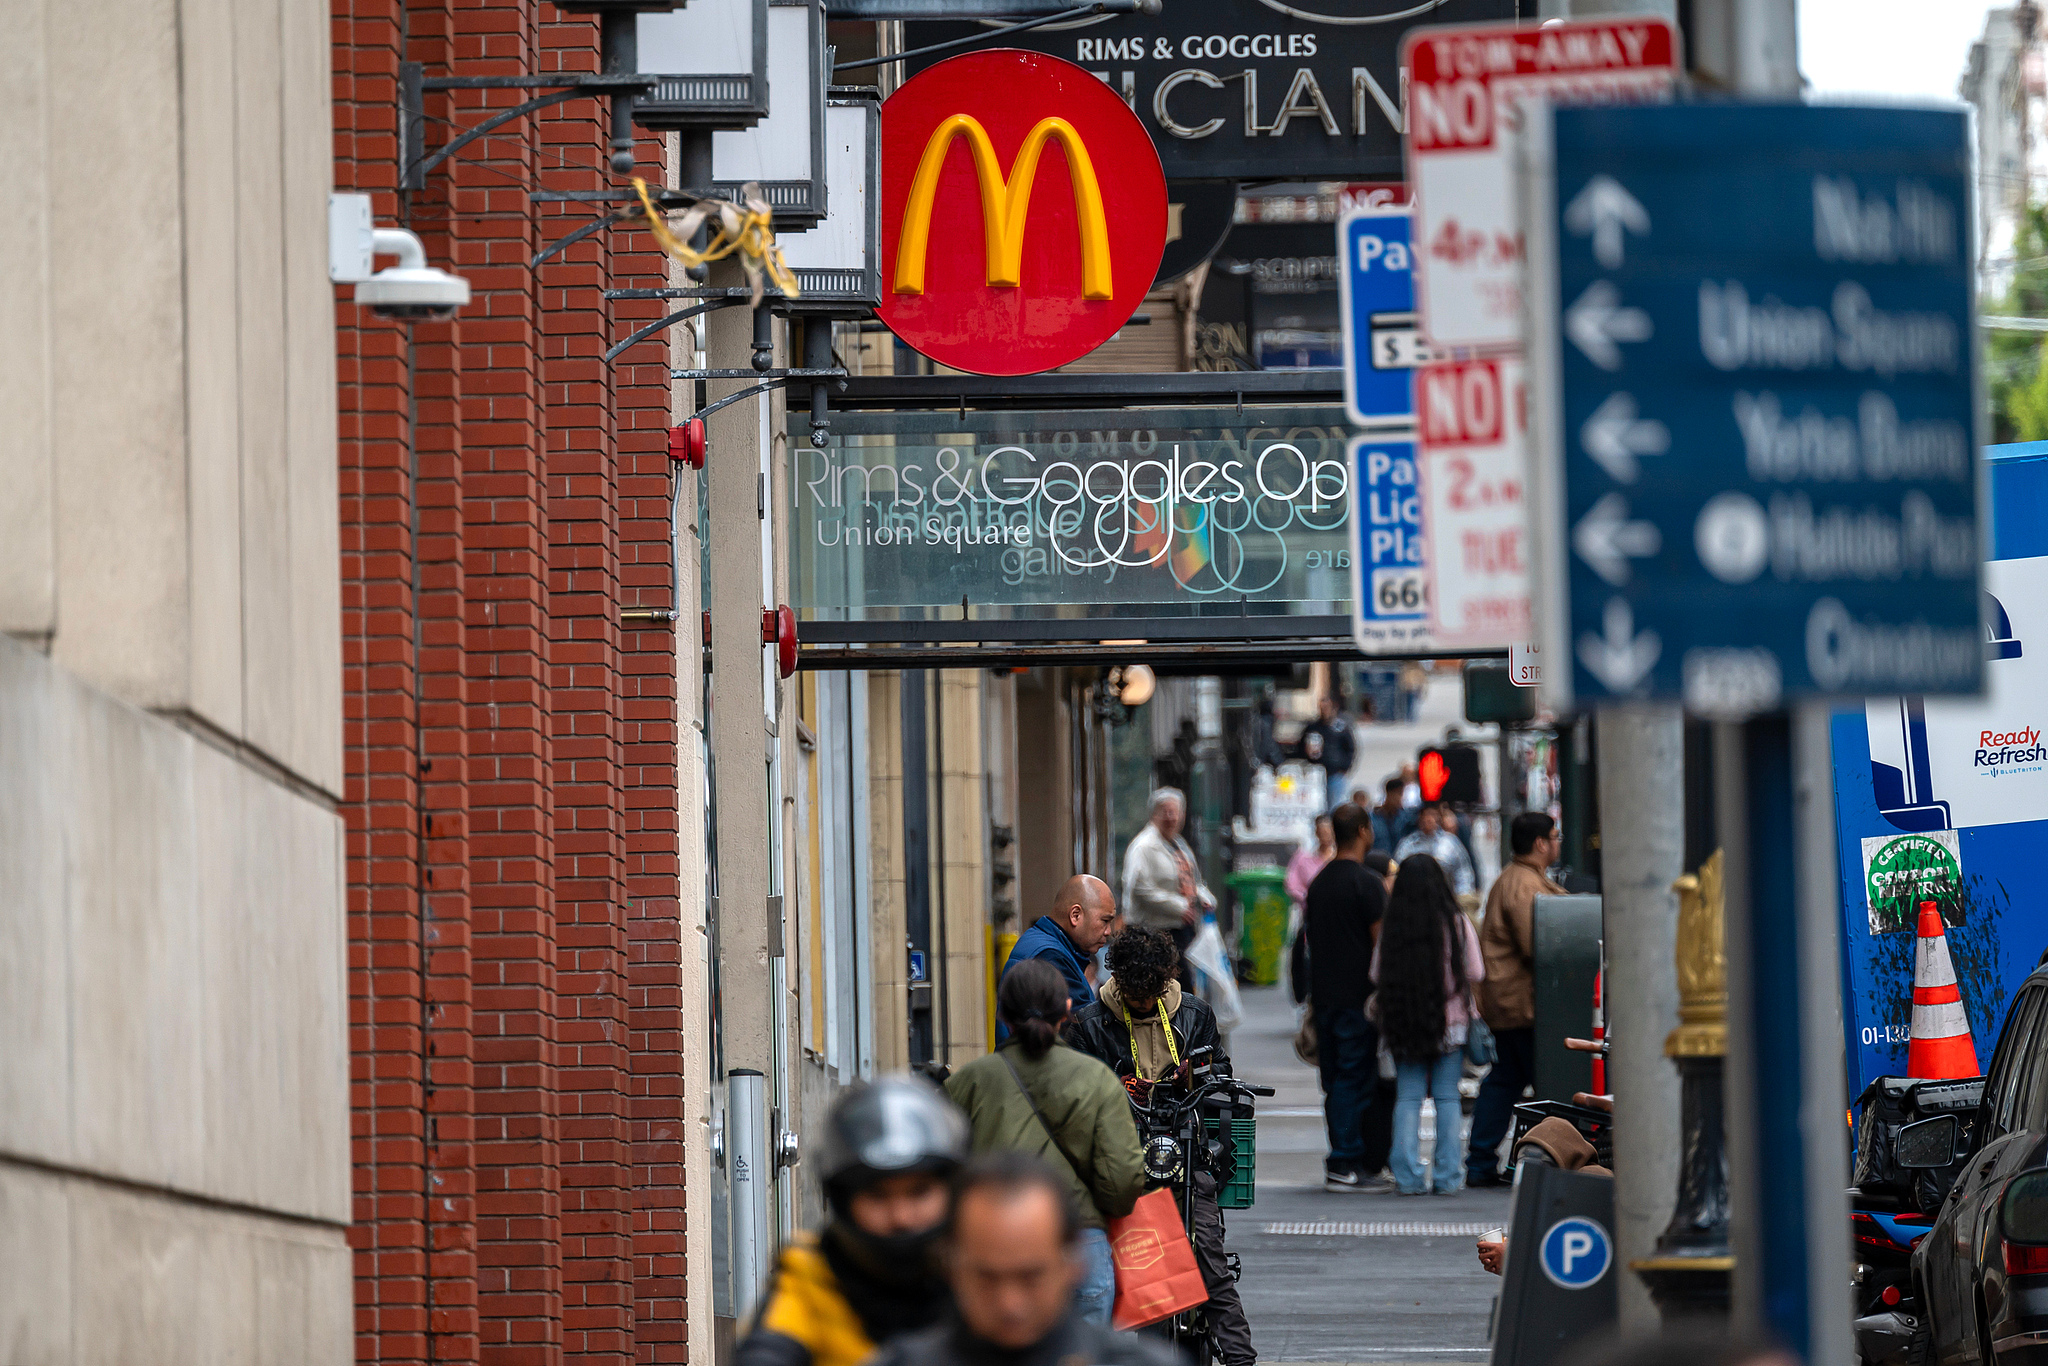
{"type": "Point", "coordinates": [1262, 914]}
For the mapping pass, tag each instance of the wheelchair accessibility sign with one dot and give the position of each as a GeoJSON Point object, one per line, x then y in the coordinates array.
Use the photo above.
{"type": "Point", "coordinates": [1576, 1253]}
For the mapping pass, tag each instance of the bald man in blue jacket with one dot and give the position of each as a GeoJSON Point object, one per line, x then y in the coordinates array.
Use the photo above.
{"type": "Point", "coordinates": [1069, 936]}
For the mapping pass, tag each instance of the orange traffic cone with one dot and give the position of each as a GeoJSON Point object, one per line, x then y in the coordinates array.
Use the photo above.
{"type": "Point", "coordinates": [1941, 1045]}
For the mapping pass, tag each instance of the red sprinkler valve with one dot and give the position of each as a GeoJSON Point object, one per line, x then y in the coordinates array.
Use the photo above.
{"type": "Point", "coordinates": [778, 628]}
{"type": "Point", "coordinates": [686, 443]}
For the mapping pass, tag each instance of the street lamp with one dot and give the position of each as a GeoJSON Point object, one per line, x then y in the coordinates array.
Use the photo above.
{"type": "Point", "coordinates": [709, 64]}
{"type": "Point", "coordinates": [837, 260]}
{"type": "Point", "coordinates": [617, 30]}
{"type": "Point", "coordinates": [785, 152]}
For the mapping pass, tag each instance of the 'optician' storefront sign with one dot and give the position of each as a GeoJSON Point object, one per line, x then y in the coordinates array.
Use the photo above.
{"type": "Point", "coordinates": [1254, 89]}
{"type": "Point", "coordinates": [1157, 510]}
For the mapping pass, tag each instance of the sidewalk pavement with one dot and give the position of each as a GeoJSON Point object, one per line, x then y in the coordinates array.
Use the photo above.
{"type": "Point", "coordinates": [1345, 1277]}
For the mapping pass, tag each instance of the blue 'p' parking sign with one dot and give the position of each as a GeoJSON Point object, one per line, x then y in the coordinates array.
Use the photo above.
{"type": "Point", "coordinates": [1382, 344]}
{"type": "Point", "coordinates": [1576, 1253]}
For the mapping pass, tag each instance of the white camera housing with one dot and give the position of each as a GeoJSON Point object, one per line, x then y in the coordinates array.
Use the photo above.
{"type": "Point", "coordinates": [411, 291]}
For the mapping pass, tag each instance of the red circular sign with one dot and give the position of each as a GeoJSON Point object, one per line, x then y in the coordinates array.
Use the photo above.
{"type": "Point", "coordinates": [1023, 212]}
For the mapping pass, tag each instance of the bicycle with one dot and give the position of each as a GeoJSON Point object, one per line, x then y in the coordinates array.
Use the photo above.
{"type": "Point", "coordinates": [1178, 1147]}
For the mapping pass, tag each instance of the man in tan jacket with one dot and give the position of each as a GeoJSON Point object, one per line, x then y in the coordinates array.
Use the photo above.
{"type": "Point", "coordinates": [1507, 998]}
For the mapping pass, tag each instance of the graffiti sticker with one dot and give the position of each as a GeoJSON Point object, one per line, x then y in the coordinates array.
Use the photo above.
{"type": "Point", "coordinates": [1901, 871]}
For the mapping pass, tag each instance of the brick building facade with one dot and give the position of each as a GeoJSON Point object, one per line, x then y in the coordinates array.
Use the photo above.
{"type": "Point", "coordinates": [516, 1005]}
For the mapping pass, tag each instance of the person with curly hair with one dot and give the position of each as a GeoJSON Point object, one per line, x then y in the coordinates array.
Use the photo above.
{"type": "Point", "coordinates": [1144, 1027]}
{"type": "Point", "coordinates": [1423, 969]}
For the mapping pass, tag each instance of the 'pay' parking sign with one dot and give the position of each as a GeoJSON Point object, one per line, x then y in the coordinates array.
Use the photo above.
{"type": "Point", "coordinates": [1381, 343]}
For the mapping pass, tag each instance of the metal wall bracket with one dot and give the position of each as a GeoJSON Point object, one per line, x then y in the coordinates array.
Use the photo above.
{"type": "Point", "coordinates": [775, 381]}
{"type": "Point", "coordinates": [414, 161]}
{"type": "Point", "coordinates": [670, 321]}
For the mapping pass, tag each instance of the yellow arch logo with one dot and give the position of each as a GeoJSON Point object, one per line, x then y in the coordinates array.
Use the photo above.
{"type": "Point", "coordinates": [1005, 203]}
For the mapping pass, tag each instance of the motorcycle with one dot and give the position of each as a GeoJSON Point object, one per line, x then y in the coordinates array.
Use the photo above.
{"type": "Point", "coordinates": [1184, 1129]}
{"type": "Point", "coordinates": [1892, 1208]}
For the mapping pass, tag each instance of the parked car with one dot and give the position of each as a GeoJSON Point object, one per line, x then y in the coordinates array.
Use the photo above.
{"type": "Point", "coordinates": [1981, 1273]}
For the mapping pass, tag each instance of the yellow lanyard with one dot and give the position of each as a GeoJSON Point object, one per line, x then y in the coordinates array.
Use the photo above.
{"type": "Point", "coordinates": [1171, 1050]}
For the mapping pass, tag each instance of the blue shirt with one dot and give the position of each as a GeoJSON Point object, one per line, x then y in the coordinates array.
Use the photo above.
{"type": "Point", "coordinates": [1047, 939]}
{"type": "Point", "coordinates": [1388, 834]}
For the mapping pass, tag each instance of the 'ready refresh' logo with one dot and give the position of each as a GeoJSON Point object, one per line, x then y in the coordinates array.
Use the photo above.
{"type": "Point", "coordinates": [1997, 749]}
{"type": "Point", "coordinates": [1023, 212]}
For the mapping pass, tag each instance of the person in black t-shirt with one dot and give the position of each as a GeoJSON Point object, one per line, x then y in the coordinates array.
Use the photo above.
{"type": "Point", "coordinates": [1328, 742]}
{"type": "Point", "coordinates": [1341, 917]}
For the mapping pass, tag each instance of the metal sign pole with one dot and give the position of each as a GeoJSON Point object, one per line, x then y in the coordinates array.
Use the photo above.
{"type": "Point", "coordinates": [1823, 1085]}
{"type": "Point", "coordinates": [1788, 1146]}
{"type": "Point", "coordinates": [1770, 1163]}
{"type": "Point", "coordinates": [1642, 843]}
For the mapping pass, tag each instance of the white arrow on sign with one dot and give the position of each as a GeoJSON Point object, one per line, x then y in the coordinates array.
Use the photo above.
{"type": "Point", "coordinates": [1607, 540]}
{"type": "Point", "coordinates": [1620, 658]}
{"type": "Point", "coordinates": [1605, 211]}
{"type": "Point", "coordinates": [1598, 320]}
{"type": "Point", "coordinates": [1614, 436]}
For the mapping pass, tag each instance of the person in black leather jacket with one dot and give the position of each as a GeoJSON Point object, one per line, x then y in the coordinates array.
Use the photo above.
{"type": "Point", "coordinates": [1145, 1027]}
{"type": "Point", "coordinates": [1109, 1029]}
{"type": "Point", "coordinates": [1012, 1259]}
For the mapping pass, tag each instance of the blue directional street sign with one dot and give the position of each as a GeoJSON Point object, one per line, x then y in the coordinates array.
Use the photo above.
{"type": "Point", "coordinates": [1382, 345]}
{"type": "Point", "coordinates": [1389, 614]}
{"type": "Point", "coordinates": [1761, 463]}
{"type": "Point", "coordinates": [1576, 1253]}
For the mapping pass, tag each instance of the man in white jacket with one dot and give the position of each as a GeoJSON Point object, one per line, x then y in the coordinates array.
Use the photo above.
{"type": "Point", "coordinates": [1163, 888]}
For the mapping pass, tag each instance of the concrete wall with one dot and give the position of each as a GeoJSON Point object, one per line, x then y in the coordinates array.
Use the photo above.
{"type": "Point", "coordinates": [174, 1179]}
{"type": "Point", "coordinates": [960, 853]}
{"type": "Point", "coordinates": [170, 395]}
{"type": "Point", "coordinates": [886, 872]}
{"type": "Point", "coordinates": [1045, 786]}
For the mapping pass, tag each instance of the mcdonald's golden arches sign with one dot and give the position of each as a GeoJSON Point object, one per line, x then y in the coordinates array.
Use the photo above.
{"type": "Point", "coordinates": [1023, 212]}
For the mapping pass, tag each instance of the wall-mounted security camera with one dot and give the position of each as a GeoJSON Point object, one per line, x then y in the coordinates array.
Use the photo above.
{"type": "Point", "coordinates": [411, 291]}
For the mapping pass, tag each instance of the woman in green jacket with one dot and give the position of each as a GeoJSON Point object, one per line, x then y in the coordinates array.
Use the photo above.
{"type": "Point", "coordinates": [1036, 1095]}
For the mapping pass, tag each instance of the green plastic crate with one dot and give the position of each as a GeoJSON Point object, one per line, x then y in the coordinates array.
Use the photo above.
{"type": "Point", "coordinates": [1238, 1193]}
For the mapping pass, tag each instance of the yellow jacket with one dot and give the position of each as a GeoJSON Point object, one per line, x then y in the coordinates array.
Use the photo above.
{"type": "Point", "coordinates": [807, 1310]}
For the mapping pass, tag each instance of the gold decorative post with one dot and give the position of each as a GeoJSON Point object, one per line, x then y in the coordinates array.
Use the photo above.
{"type": "Point", "coordinates": [1690, 1272]}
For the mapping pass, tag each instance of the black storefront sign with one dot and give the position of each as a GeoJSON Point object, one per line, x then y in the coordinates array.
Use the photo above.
{"type": "Point", "coordinates": [1255, 90]}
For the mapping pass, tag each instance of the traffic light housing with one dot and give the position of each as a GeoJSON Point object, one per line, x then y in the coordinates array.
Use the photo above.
{"type": "Point", "coordinates": [1449, 773]}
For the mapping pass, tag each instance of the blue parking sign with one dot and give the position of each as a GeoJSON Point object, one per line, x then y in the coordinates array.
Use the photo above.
{"type": "Point", "coordinates": [1382, 346]}
{"type": "Point", "coordinates": [1389, 612]}
{"type": "Point", "coordinates": [1576, 1252]}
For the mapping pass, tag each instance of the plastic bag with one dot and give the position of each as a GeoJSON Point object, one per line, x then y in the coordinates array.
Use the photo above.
{"type": "Point", "coordinates": [1305, 1042]}
{"type": "Point", "coordinates": [1207, 956]}
{"type": "Point", "coordinates": [1156, 1273]}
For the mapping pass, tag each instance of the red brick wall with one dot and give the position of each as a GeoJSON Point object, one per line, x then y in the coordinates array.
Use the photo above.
{"type": "Point", "coordinates": [513, 903]}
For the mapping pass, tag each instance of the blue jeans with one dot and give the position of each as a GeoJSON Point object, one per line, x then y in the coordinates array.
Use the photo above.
{"type": "Point", "coordinates": [1347, 1056]}
{"type": "Point", "coordinates": [1439, 1081]}
{"type": "Point", "coordinates": [1513, 1069]}
{"type": "Point", "coordinates": [1096, 1294]}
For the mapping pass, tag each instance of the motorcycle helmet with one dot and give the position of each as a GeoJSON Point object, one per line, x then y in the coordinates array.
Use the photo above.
{"type": "Point", "coordinates": [892, 1126]}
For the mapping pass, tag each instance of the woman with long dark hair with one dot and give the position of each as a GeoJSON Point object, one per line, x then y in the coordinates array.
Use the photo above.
{"type": "Point", "coordinates": [1036, 1095]}
{"type": "Point", "coordinates": [1423, 972]}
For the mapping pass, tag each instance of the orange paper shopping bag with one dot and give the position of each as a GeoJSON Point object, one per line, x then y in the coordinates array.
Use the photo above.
{"type": "Point", "coordinates": [1156, 1275]}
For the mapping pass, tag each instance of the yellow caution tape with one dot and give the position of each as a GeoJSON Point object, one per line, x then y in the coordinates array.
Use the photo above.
{"type": "Point", "coordinates": [745, 229]}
